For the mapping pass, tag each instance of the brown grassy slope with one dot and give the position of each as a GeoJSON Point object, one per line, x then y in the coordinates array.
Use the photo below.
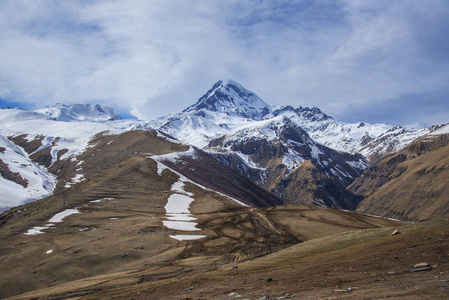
{"type": "Point", "coordinates": [108, 150]}
{"type": "Point", "coordinates": [410, 185]}
{"type": "Point", "coordinates": [115, 256]}
{"type": "Point", "coordinates": [91, 243]}
{"type": "Point", "coordinates": [207, 171]}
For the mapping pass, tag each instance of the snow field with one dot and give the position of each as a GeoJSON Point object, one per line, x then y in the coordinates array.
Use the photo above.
{"type": "Point", "coordinates": [177, 209]}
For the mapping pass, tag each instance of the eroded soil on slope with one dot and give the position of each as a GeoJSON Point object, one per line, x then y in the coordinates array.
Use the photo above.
{"type": "Point", "coordinates": [368, 264]}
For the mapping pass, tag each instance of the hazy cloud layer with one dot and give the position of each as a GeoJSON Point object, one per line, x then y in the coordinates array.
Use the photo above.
{"type": "Point", "coordinates": [379, 61]}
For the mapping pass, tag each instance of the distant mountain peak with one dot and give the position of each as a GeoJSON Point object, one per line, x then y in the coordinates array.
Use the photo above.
{"type": "Point", "coordinates": [79, 112]}
{"type": "Point", "coordinates": [311, 114]}
{"type": "Point", "coordinates": [231, 98]}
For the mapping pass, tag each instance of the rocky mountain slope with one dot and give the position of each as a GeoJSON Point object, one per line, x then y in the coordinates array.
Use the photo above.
{"type": "Point", "coordinates": [280, 156]}
{"type": "Point", "coordinates": [195, 209]}
{"type": "Point", "coordinates": [225, 109]}
{"type": "Point", "coordinates": [228, 109]}
{"type": "Point", "coordinates": [370, 140]}
{"type": "Point", "coordinates": [228, 106]}
{"type": "Point", "coordinates": [33, 143]}
{"type": "Point", "coordinates": [411, 184]}
{"type": "Point", "coordinates": [141, 202]}
{"type": "Point", "coordinates": [20, 178]}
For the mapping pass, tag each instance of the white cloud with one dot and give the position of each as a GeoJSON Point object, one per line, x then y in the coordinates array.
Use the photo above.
{"type": "Point", "coordinates": [157, 57]}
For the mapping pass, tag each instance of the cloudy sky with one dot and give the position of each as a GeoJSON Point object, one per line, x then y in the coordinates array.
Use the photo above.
{"type": "Point", "coordinates": [376, 61]}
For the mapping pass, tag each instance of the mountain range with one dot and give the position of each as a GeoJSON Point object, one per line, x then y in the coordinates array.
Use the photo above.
{"type": "Point", "coordinates": [91, 202]}
{"type": "Point", "coordinates": [300, 155]}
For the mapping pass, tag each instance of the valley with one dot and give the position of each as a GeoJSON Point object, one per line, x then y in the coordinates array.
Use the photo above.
{"type": "Point", "coordinates": [230, 198]}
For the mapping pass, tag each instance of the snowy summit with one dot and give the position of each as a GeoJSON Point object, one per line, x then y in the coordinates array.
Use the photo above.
{"type": "Point", "coordinates": [231, 98]}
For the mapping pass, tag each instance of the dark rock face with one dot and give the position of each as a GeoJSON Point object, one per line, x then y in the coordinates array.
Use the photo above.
{"type": "Point", "coordinates": [319, 174]}
{"type": "Point", "coordinates": [211, 173]}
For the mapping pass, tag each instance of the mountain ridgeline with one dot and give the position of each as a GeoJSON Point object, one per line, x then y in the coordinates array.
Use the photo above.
{"type": "Point", "coordinates": [296, 155]}
{"type": "Point", "coordinates": [228, 198]}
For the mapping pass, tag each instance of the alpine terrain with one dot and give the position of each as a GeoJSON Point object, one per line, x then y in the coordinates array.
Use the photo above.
{"type": "Point", "coordinates": [229, 198]}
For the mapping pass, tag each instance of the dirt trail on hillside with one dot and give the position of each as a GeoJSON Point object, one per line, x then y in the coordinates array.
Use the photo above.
{"type": "Point", "coordinates": [369, 264]}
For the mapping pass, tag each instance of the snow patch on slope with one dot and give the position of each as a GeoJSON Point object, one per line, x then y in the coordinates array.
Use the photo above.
{"type": "Point", "coordinates": [39, 182]}
{"type": "Point", "coordinates": [177, 211]}
{"type": "Point", "coordinates": [57, 218]}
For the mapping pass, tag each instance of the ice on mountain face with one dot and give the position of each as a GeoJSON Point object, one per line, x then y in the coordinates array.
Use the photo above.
{"type": "Point", "coordinates": [73, 136]}
{"type": "Point", "coordinates": [316, 152]}
{"type": "Point", "coordinates": [10, 115]}
{"type": "Point", "coordinates": [181, 225]}
{"type": "Point", "coordinates": [358, 165]}
{"type": "Point", "coordinates": [319, 202]}
{"type": "Point", "coordinates": [313, 114]}
{"type": "Point", "coordinates": [178, 204]}
{"type": "Point", "coordinates": [248, 161]}
{"type": "Point", "coordinates": [267, 129]}
{"type": "Point", "coordinates": [38, 229]}
{"type": "Point", "coordinates": [100, 200]}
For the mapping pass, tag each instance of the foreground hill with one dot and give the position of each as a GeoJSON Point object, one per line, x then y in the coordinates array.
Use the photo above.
{"type": "Point", "coordinates": [126, 239]}
{"type": "Point", "coordinates": [124, 201]}
{"type": "Point", "coordinates": [351, 264]}
{"type": "Point", "coordinates": [136, 213]}
{"type": "Point", "coordinates": [412, 184]}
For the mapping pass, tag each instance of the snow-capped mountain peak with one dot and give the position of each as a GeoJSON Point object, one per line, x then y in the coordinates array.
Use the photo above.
{"type": "Point", "coordinates": [307, 114]}
{"type": "Point", "coordinates": [231, 98]}
{"type": "Point", "coordinates": [79, 112]}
